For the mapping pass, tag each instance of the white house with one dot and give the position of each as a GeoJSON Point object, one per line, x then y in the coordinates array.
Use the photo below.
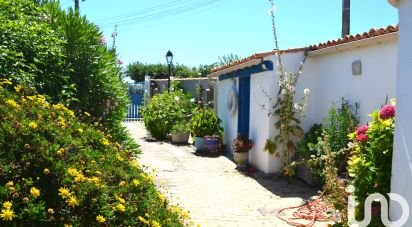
{"type": "Point", "coordinates": [361, 68]}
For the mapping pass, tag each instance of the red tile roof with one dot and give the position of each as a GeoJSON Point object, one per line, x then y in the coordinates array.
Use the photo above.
{"type": "Point", "coordinates": [350, 38]}
{"type": "Point", "coordinates": [347, 39]}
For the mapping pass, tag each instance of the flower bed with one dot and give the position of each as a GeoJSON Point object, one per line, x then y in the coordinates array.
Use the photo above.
{"type": "Point", "coordinates": [56, 170]}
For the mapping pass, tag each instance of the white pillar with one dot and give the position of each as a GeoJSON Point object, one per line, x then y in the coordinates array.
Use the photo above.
{"type": "Point", "coordinates": [402, 157]}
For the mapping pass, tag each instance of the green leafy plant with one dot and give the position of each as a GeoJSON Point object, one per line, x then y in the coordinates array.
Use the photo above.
{"type": "Point", "coordinates": [311, 152]}
{"type": "Point", "coordinates": [181, 127]}
{"type": "Point", "coordinates": [270, 146]}
{"type": "Point", "coordinates": [94, 70]}
{"type": "Point", "coordinates": [61, 54]}
{"type": "Point", "coordinates": [370, 162]}
{"type": "Point", "coordinates": [339, 123]}
{"type": "Point", "coordinates": [164, 111]}
{"type": "Point", "coordinates": [56, 170]}
{"type": "Point", "coordinates": [205, 123]}
{"type": "Point", "coordinates": [307, 143]}
{"type": "Point", "coordinates": [31, 50]}
{"type": "Point", "coordinates": [335, 192]}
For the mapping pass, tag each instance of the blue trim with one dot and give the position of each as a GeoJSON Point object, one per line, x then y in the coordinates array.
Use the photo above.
{"type": "Point", "coordinates": [246, 72]}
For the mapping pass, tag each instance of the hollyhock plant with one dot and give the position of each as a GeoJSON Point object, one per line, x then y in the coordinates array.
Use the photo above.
{"type": "Point", "coordinates": [388, 111]}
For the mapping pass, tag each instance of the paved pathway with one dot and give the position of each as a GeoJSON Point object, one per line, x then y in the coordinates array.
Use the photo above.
{"type": "Point", "coordinates": [212, 190]}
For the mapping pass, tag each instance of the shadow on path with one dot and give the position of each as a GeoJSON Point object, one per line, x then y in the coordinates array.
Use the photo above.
{"type": "Point", "coordinates": [213, 190]}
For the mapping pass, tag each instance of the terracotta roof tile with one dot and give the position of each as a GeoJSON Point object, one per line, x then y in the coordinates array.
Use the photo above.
{"type": "Point", "coordinates": [330, 43]}
{"type": "Point", "coordinates": [350, 38]}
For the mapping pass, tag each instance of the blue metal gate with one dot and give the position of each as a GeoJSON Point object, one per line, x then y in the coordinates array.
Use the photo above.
{"type": "Point", "coordinates": [136, 94]}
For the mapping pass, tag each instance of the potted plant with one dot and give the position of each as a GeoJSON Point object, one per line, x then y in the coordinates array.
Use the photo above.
{"type": "Point", "coordinates": [205, 123]}
{"type": "Point", "coordinates": [241, 146]}
{"type": "Point", "coordinates": [180, 132]}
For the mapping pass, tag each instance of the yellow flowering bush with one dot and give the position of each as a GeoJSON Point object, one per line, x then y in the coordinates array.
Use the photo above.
{"type": "Point", "coordinates": [77, 176]}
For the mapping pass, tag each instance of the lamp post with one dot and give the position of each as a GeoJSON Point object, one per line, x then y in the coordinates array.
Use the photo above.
{"type": "Point", "coordinates": [169, 60]}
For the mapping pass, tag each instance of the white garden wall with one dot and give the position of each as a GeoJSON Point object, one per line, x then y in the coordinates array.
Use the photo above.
{"type": "Point", "coordinates": [402, 157]}
{"type": "Point", "coordinates": [332, 74]}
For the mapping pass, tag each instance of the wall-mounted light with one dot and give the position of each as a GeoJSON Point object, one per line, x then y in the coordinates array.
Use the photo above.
{"type": "Point", "coordinates": [357, 68]}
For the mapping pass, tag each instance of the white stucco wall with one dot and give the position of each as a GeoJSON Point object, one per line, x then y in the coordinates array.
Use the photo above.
{"type": "Point", "coordinates": [229, 120]}
{"type": "Point", "coordinates": [402, 157]}
{"type": "Point", "coordinates": [332, 74]}
{"type": "Point", "coordinates": [328, 74]}
{"type": "Point", "coordinates": [261, 88]}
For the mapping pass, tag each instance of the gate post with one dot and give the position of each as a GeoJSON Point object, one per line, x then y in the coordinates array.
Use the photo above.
{"type": "Point", "coordinates": [146, 89]}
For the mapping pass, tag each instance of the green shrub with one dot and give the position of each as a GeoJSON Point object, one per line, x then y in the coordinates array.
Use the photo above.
{"type": "Point", "coordinates": [309, 140]}
{"type": "Point", "coordinates": [94, 70]}
{"type": "Point", "coordinates": [56, 170]}
{"type": "Point", "coordinates": [59, 53]}
{"type": "Point", "coordinates": [205, 122]}
{"type": "Point", "coordinates": [340, 122]}
{"type": "Point", "coordinates": [311, 150]}
{"type": "Point", "coordinates": [181, 127]}
{"type": "Point", "coordinates": [165, 110]}
{"type": "Point", "coordinates": [31, 51]}
{"type": "Point", "coordinates": [370, 164]}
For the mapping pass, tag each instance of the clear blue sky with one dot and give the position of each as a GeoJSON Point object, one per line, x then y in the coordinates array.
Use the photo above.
{"type": "Point", "coordinates": [199, 31]}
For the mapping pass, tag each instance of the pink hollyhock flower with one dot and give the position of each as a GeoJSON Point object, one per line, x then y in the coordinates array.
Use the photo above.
{"type": "Point", "coordinates": [361, 137]}
{"type": "Point", "coordinates": [120, 62]}
{"type": "Point", "coordinates": [388, 111]}
{"type": "Point", "coordinates": [102, 40]}
{"type": "Point", "coordinates": [362, 129]}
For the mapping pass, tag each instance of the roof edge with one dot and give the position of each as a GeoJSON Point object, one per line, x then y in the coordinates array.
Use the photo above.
{"type": "Point", "coordinates": [256, 56]}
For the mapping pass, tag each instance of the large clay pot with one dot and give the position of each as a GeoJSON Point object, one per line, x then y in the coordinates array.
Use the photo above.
{"type": "Point", "coordinates": [180, 137]}
{"type": "Point", "coordinates": [241, 158]}
{"type": "Point", "coordinates": [199, 143]}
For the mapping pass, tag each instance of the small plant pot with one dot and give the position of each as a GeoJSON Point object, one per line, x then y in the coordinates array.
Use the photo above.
{"type": "Point", "coordinates": [180, 137]}
{"type": "Point", "coordinates": [241, 158]}
{"type": "Point", "coordinates": [199, 144]}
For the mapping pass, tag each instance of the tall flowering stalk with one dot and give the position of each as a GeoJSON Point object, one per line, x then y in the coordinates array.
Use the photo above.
{"type": "Point", "coordinates": [286, 111]}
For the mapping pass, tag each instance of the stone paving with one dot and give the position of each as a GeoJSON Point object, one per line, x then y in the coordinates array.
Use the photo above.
{"type": "Point", "coordinates": [213, 191]}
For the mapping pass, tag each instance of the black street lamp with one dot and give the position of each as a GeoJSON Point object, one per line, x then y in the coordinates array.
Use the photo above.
{"type": "Point", "coordinates": [169, 60]}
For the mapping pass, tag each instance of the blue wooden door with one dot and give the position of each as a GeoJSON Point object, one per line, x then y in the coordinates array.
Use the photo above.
{"type": "Point", "coordinates": [244, 106]}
